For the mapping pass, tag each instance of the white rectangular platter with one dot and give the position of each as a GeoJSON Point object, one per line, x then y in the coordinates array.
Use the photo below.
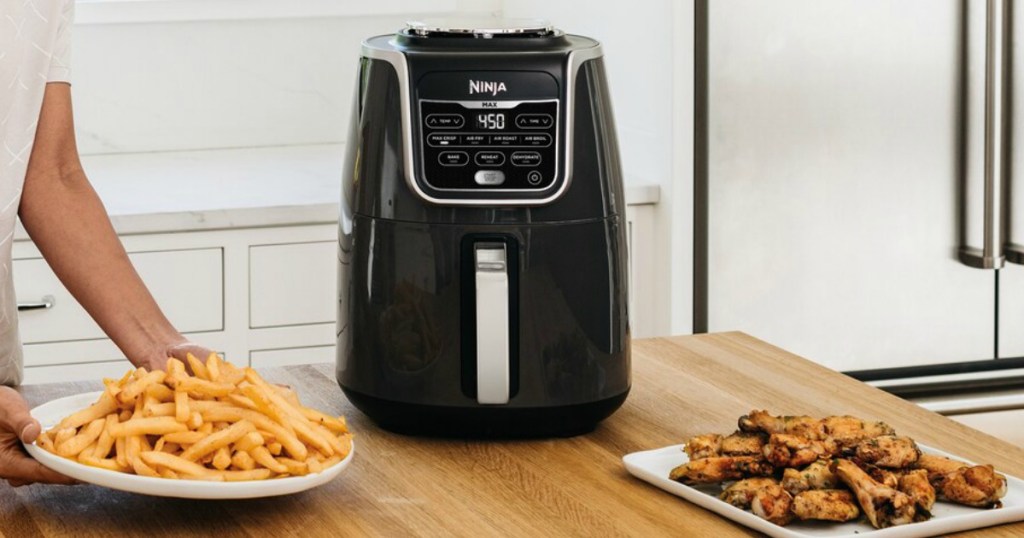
{"type": "Point", "coordinates": [653, 466]}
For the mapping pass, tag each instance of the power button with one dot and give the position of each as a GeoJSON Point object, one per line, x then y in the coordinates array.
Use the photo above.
{"type": "Point", "coordinates": [534, 177]}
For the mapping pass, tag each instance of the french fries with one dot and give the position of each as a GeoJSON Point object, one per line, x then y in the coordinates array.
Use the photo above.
{"type": "Point", "coordinates": [219, 423]}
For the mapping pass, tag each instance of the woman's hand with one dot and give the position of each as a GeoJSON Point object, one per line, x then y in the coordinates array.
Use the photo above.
{"type": "Point", "coordinates": [157, 359]}
{"type": "Point", "coordinates": [16, 425]}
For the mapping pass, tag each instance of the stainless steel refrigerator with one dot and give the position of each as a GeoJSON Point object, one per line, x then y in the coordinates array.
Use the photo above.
{"type": "Point", "coordinates": [855, 166]}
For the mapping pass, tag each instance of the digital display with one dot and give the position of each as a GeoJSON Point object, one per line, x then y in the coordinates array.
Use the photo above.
{"type": "Point", "coordinates": [493, 121]}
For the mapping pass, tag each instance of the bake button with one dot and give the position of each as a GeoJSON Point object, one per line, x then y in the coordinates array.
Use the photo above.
{"type": "Point", "coordinates": [536, 140]}
{"type": "Point", "coordinates": [490, 158]}
{"type": "Point", "coordinates": [453, 158]}
{"type": "Point", "coordinates": [534, 177]}
{"type": "Point", "coordinates": [489, 178]}
{"type": "Point", "coordinates": [442, 139]}
{"type": "Point", "coordinates": [526, 158]}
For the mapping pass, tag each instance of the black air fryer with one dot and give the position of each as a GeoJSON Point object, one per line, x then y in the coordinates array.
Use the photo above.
{"type": "Point", "coordinates": [482, 279]}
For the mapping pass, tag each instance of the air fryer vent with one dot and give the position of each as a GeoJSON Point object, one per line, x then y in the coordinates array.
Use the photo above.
{"type": "Point", "coordinates": [482, 28]}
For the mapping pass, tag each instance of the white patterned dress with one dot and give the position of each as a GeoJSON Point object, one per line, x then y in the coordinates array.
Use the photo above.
{"type": "Point", "coordinates": [35, 48]}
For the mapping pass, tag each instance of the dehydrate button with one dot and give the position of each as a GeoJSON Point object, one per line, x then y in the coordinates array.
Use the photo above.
{"type": "Point", "coordinates": [526, 158]}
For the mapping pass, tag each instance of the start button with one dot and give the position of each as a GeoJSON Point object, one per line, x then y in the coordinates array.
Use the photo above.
{"type": "Point", "coordinates": [489, 178]}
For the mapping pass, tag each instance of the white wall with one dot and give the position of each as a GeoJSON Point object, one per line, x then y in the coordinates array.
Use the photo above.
{"type": "Point", "coordinates": [227, 83]}
{"type": "Point", "coordinates": [165, 86]}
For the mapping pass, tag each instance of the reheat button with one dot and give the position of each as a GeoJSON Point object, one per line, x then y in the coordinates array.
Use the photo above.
{"type": "Point", "coordinates": [490, 158]}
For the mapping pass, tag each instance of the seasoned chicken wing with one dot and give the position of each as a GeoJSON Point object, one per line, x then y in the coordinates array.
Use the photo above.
{"type": "Point", "coordinates": [762, 421]}
{"type": "Point", "coordinates": [889, 451]}
{"type": "Point", "coordinates": [826, 505]}
{"type": "Point", "coordinates": [878, 474]}
{"type": "Point", "coordinates": [978, 485]}
{"type": "Point", "coordinates": [938, 467]}
{"type": "Point", "coordinates": [703, 446]}
{"type": "Point", "coordinates": [848, 431]}
{"type": "Point", "coordinates": [815, 476]}
{"type": "Point", "coordinates": [736, 444]}
{"type": "Point", "coordinates": [741, 493]}
{"type": "Point", "coordinates": [786, 450]}
{"type": "Point", "coordinates": [720, 468]}
{"type": "Point", "coordinates": [915, 484]}
{"type": "Point", "coordinates": [884, 506]}
{"type": "Point", "coordinates": [743, 444]}
{"type": "Point", "coordinates": [773, 504]}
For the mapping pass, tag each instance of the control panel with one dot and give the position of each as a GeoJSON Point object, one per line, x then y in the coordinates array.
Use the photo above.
{"type": "Point", "coordinates": [489, 145]}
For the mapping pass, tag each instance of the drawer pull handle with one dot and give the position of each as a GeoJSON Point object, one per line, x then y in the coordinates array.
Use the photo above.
{"type": "Point", "coordinates": [46, 303]}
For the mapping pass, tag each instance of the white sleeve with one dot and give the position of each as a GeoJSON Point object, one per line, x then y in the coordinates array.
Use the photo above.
{"type": "Point", "coordinates": [60, 61]}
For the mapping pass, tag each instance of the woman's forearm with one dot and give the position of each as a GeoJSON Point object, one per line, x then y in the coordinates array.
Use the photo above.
{"type": "Point", "coordinates": [66, 219]}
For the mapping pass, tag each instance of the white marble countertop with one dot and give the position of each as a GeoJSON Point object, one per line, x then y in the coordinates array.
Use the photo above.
{"type": "Point", "coordinates": [230, 188]}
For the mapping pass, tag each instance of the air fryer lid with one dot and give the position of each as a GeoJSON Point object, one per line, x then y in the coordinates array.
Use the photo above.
{"type": "Point", "coordinates": [482, 28]}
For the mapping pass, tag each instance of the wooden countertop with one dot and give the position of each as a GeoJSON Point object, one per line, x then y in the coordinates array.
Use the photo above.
{"type": "Point", "coordinates": [402, 486]}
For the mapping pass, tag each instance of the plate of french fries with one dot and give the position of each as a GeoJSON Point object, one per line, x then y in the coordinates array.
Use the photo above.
{"type": "Point", "coordinates": [205, 430]}
{"type": "Point", "coordinates": [800, 476]}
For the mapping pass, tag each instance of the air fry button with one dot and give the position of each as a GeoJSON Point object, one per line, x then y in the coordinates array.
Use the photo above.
{"type": "Point", "coordinates": [453, 158]}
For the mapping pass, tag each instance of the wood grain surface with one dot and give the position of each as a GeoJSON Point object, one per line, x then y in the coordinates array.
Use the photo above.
{"type": "Point", "coordinates": [405, 486]}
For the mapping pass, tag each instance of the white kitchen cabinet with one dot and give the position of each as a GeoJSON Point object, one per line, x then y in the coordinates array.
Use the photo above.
{"type": "Point", "coordinates": [293, 356]}
{"type": "Point", "coordinates": [292, 284]}
{"type": "Point", "coordinates": [188, 285]}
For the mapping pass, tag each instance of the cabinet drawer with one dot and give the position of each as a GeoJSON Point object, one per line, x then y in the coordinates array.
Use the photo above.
{"type": "Point", "coordinates": [89, 371]}
{"type": "Point", "coordinates": [187, 284]}
{"type": "Point", "coordinates": [292, 284]}
{"type": "Point", "coordinates": [269, 358]}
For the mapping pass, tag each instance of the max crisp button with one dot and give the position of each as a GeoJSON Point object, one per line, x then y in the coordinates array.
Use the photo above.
{"type": "Point", "coordinates": [489, 177]}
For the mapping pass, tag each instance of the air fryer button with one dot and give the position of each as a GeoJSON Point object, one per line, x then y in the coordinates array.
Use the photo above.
{"type": "Point", "coordinates": [534, 177]}
{"type": "Point", "coordinates": [474, 140]}
{"type": "Point", "coordinates": [539, 139]}
{"type": "Point", "coordinates": [534, 121]}
{"type": "Point", "coordinates": [490, 158]}
{"type": "Point", "coordinates": [444, 121]}
{"type": "Point", "coordinates": [443, 139]}
{"type": "Point", "coordinates": [526, 158]}
{"type": "Point", "coordinates": [489, 178]}
{"type": "Point", "coordinates": [453, 158]}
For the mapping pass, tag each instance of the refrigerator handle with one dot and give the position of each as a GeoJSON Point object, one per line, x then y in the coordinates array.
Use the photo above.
{"type": "Point", "coordinates": [990, 254]}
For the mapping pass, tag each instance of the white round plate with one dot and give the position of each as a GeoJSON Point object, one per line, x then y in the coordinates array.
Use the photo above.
{"type": "Point", "coordinates": [51, 413]}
